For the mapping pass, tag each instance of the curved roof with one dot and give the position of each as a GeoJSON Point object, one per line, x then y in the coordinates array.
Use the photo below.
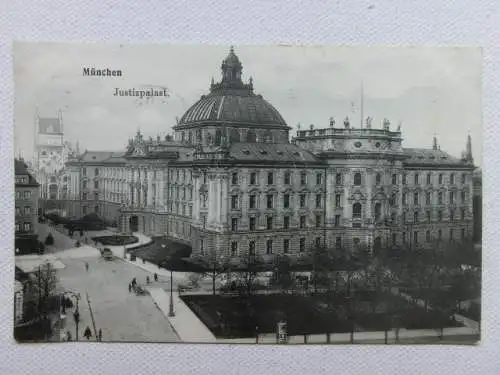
{"type": "Point", "coordinates": [232, 107]}
{"type": "Point", "coordinates": [231, 101]}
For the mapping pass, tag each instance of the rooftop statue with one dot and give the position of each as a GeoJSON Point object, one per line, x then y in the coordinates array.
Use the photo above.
{"type": "Point", "coordinates": [368, 122]}
{"type": "Point", "coordinates": [346, 122]}
{"type": "Point", "coordinates": [332, 122]}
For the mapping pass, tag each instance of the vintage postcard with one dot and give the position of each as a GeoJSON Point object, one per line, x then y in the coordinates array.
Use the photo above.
{"type": "Point", "coordinates": [247, 194]}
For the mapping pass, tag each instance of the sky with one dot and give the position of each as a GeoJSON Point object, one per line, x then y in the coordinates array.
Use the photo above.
{"type": "Point", "coordinates": [430, 90]}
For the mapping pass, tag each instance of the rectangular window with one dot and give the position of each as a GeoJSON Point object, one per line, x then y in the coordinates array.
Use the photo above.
{"type": "Point", "coordinates": [451, 235]}
{"type": "Point", "coordinates": [18, 195]}
{"type": "Point", "coordinates": [252, 223]}
{"type": "Point", "coordinates": [415, 217]}
{"type": "Point", "coordinates": [394, 179]}
{"type": "Point", "coordinates": [269, 246]}
{"type": "Point", "coordinates": [84, 196]}
{"type": "Point", "coordinates": [96, 184]}
{"type": "Point", "coordinates": [286, 222]}
{"type": "Point", "coordinates": [27, 210]}
{"type": "Point", "coordinates": [452, 215]}
{"type": "Point", "coordinates": [428, 198]}
{"type": "Point", "coordinates": [18, 227]}
{"type": "Point", "coordinates": [318, 221]}
{"type": "Point", "coordinates": [338, 242]}
{"type": "Point", "coordinates": [337, 220]}
{"type": "Point", "coordinates": [415, 237]}
{"type": "Point", "coordinates": [440, 235]}
{"type": "Point", "coordinates": [338, 179]}
{"type": "Point", "coordinates": [319, 178]}
{"type": "Point", "coordinates": [318, 200]}
{"type": "Point", "coordinates": [84, 171]}
{"type": "Point", "coordinates": [415, 199]}
{"type": "Point", "coordinates": [286, 201]}
{"type": "Point", "coordinates": [303, 178]}
{"type": "Point", "coordinates": [302, 245]}
{"type": "Point", "coordinates": [462, 214]}
{"type": "Point", "coordinates": [452, 179]}
{"type": "Point", "coordinates": [302, 200]}
{"type": "Point", "coordinates": [452, 197]}
{"type": "Point", "coordinates": [270, 178]}
{"type": "Point", "coordinates": [234, 248]}
{"type": "Point", "coordinates": [462, 195]}
{"type": "Point", "coordinates": [403, 237]}
{"type": "Point", "coordinates": [18, 211]}
{"type": "Point", "coordinates": [317, 242]}
{"type": "Point", "coordinates": [416, 179]}
{"type": "Point", "coordinates": [252, 201]}
{"type": "Point", "coordinates": [404, 217]}
{"type": "Point", "coordinates": [404, 199]}
{"type": "Point", "coordinates": [234, 178]}
{"type": "Point", "coordinates": [27, 227]}
{"type": "Point", "coordinates": [234, 224]}
{"type": "Point", "coordinates": [428, 216]}
{"type": "Point", "coordinates": [269, 222]}
{"type": "Point", "coordinates": [251, 248]}
{"type": "Point", "coordinates": [394, 238]}
{"type": "Point", "coordinates": [270, 201]}
{"type": "Point", "coordinates": [428, 236]}
{"type": "Point", "coordinates": [404, 178]}
{"type": "Point", "coordinates": [287, 179]}
{"type": "Point", "coordinates": [440, 179]}
{"type": "Point", "coordinates": [464, 178]}
{"type": "Point", "coordinates": [337, 200]}
{"type": "Point", "coordinates": [234, 202]}
{"type": "Point", "coordinates": [253, 178]}
{"type": "Point", "coordinates": [27, 195]}
{"type": "Point", "coordinates": [462, 233]}
{"type": "Point", "coordinates": [440, 215]}
{"type": "Point", "coordinates": [440, 197]}
{"type": "Point", "coordinates": [302, 222]}
{"type": "Point", "coordinates": [286, 246]}
{"type": "Point", "coordinates": [429, 179]}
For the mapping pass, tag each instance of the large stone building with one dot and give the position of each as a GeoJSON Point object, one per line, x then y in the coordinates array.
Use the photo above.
{"type": "Point", "coordinates": [26, 204]}
{"type": "Point", "coordinates": [230, 180]}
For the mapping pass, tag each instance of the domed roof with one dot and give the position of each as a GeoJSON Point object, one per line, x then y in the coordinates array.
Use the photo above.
{"type": "Point", "coordinates": [232, 102]}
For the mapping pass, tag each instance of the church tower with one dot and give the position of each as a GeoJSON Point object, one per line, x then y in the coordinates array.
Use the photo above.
{"type": "Point", "coordinates": [49, 154]}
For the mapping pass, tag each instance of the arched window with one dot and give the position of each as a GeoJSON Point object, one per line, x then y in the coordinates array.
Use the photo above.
{"type": "Point", "coordinates": [378, 207]}
{"type": "Point", "coordinates": [378, 178]}
{"type": "Point", "coordinates": [251, 136]}
{"type": "Point", "coordinates": [357, 179]}
{"type": "Point", "coordinates": [356, 210]}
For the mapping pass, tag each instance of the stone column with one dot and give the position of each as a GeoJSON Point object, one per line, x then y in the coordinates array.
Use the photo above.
{"type": "Point", "coordinates": [149, 182]}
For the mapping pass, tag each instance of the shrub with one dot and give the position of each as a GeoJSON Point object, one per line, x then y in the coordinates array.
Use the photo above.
{"type": "Point", "coordinates": [49, 240]}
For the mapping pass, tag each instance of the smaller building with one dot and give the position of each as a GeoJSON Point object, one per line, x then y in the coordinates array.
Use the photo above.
{"type": "Point", "coordinates": [26, 210]}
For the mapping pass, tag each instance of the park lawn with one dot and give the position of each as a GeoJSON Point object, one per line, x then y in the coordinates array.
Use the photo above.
{"type": "Point", "coordinates": [116, 240]}
{"type": "Point", "coordinates": [237, 316]}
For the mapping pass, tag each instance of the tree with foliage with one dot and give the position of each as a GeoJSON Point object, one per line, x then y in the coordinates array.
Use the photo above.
{"type": "Point", "coordinates": [216, 265]}
{"type": "Point", "coordinates": [282, 275]}
{"type": "Point", "coordinates": [49, 240]}
{"type": "Point", "coordinates": [249, 265]}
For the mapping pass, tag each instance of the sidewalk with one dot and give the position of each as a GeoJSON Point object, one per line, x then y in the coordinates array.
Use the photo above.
{"type": "Point", "coordinates": [185, 323]}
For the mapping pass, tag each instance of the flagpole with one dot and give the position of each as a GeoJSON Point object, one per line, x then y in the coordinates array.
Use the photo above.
{"type": "Point", "coordinates": [362, 104]}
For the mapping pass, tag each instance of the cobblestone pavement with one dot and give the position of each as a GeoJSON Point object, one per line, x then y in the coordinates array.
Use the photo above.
{"type": "Point", "coordinates": [122, 316]}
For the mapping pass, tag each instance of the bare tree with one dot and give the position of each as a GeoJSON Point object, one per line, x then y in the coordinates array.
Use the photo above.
{"type": "Point", "coordinates": [249, 266]}
{"type": "Point", "coordinates": [45, 285]}
{"type": "Point", "coordinates": [216, 264]}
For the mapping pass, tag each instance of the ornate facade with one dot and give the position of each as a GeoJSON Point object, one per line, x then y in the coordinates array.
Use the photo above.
{"type": "Point", "coordinates": [230, 181]}
{"type": "Point", "coordinates": [51, 152]}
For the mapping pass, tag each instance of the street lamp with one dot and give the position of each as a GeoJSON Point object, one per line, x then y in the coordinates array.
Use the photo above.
{"type": "Point", "coordinates": [171, 312]}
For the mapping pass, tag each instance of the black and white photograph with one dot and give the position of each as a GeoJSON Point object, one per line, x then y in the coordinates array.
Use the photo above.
{"type": "Point", "coordinates": [237, 194]}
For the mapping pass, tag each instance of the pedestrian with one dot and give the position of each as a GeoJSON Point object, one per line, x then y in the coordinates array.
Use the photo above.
{"type": "Point", "coordinates": [100, 335]}
{"type": "Point", "coordinates": [156, 276]}
{"type": "Point", "coordinates": [147, 280]}
{"type": "Point", "coordinates": [68, 336]}
{"type": "Point", "coordinates": [134, 282]}
{"type": "Point", "coordinates": [87, 333]}
{"type": "Point", "coordinates": [129, 287]}
{"type": "Point", "coordinates": [87, 266]}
